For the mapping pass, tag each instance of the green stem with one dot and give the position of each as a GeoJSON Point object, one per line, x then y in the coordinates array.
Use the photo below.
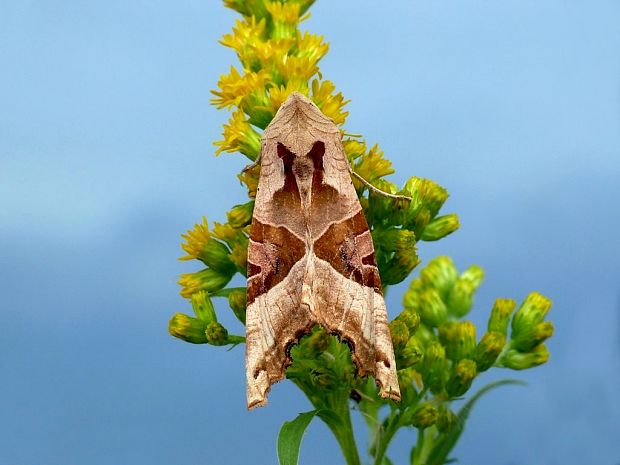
{"type": "Point", "coordinates": [338, 402]}
{"type": "Point", "coordinates": [387, 436]}
{"type": "Point", "coordinates": [345, 436]}
{"type": "Point", "coordinates": [423, 446]}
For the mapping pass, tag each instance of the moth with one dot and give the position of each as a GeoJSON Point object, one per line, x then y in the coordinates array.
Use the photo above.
{"type": "Point", "coordinates": [310, 255]}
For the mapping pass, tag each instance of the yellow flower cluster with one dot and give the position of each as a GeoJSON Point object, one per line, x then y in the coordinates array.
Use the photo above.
{"type": "Point", "coordinates": [277, 59]}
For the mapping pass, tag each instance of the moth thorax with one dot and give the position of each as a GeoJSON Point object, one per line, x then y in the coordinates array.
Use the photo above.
{"type": "Point", "coordinates": [303, 168]}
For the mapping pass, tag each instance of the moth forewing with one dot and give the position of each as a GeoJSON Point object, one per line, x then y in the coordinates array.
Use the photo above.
{"type": "Point", "coordinates": [310, 256]}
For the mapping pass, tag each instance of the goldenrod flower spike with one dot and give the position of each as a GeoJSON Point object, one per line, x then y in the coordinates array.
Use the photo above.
{"type": "Point", "coordinates": [438, 355]}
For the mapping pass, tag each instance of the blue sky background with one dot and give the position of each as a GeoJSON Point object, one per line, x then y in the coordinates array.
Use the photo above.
{"type": "Point", "coordinates": [106, 157]}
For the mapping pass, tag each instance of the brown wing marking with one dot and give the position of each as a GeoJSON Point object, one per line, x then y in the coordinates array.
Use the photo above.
{"type": "Point", "coordinates": [347, 247]}
{"type": "Point", "coordinates": [272, 252]}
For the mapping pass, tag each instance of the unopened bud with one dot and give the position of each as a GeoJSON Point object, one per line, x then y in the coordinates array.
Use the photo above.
{"type": "Point", "coordinates": [446, 420]}
{"type": "Point", "coordinates": [216, 334]}
{"type": "Point", "coordinates": [237, 299]}
{"type": "Point", "coordinates": [433, 367]}
{"type": "Point", "coordinates": [240, 215]}
{"type": "Point", "coordinates": [440, 227]}
{"type": "Point", "coordinates": [410, 354]}
{"type": "Point", "coordinates": [440, 273]}
{"type": "Point", "coordinates": [187, 328]}
{"type": "Point", "coordinates": [400, 334]}
{"type": "Point", "coordinates": [411, 319]}
{"type": "Point", "coordinates": [474, 274]}
{"type": "Point", "coordinates": [405, 257]}
{"type": "Point", "coordinates": [461, 297]}
{"type": "Point", "coordinates": [458, 338]}
{"type": "Point", "coordinates": [500, 315]}
{"type": "Point", "coordinates": [532, 311]}
{"type": "Point", "coordinates": [208, 280]}
{"type": "Point", "coordinates": [319, 341]}
{"type": "Point", "coordinates": [424, 416]}
{"type": "Point", "coordinates": [217, 256]}
{"type": "Point", "coordinates": [522, 360]}
{"type": "Point", "coordinates": [462, 376]}
{"type": "Point", "coordinates": [411, 299]}
{"type": "Point", "coordinates": [203, 306]}
{"type": "Point", "coordinates": [488, 349]}
{"type": "Point", "coordinates": [239, 256]}
{"type": "Point", "coordinates": [433, 310]}
{"type": "Point", "coordinates": [529, 338]}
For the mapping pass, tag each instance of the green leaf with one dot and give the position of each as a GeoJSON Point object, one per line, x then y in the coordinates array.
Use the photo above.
{"type": "Point", "coordinates": [291, 434]}
{"type": "Point", "coordinates": [441, 449]}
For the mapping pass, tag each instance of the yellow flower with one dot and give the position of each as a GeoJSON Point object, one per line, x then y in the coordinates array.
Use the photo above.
{"type": "Point", "coordinates": [206, 280]}
{"type": "Point", "coordinates": [234, 87]}
{"type": "Point", "coordinates": [311, 46]}
{"type": "Point", "coordinates": [371, 165]}
{"type": "Point", "coordinates": [187, 328]}
{"type": "Point", "coordinates": [196, 240]}
{"type": "Point", "coordinates": [285, 18]}
{"type": "Point", "coordinates": [246, 39]}
{"type": "Point", "coordinates": [330, 104]}
{"type": "Point", "coordinates": [239, 256]}
{"type": "Point", "coordinates": [250, 179]}
{"type": "Point", "coordinates": [298, 68]}
{"type": "Point", "coordinates": [279, 94]}
{"type": "Point", "coordinates": [239, 136]}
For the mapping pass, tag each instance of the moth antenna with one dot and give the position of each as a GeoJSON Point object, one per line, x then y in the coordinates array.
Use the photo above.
{"type": "Point", "coordinates": [376, 190]}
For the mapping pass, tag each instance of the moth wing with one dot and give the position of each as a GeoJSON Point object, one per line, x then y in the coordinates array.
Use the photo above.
{"type": "Point", "coordinates": [275, 318]}
{"type": "Point", "coordinates": [347, 287]}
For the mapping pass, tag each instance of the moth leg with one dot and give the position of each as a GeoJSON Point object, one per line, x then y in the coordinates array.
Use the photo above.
{"type": "Point", "coordinates": [376, 190]}
{"type": "Point", "coordinates": [252, 165]}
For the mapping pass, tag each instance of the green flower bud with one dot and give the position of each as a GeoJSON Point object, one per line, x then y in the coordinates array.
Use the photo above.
{"type": "Point", "coordinates": [440, 273]}
{"type": "Point", "coordinates": [474, 274]}
{"type": "Point", "coordinates": [400, 335]}
{"type": "Point", "coordinates": [411, 354]}
{"type": "Point", "coordinates": [241, 215]}
{"type": "Point", "coordinates": [427, 198]}
{"type": "Point", "coordinates": [433, 310]}
{"type": "Point", "coordinates": [239, 256]}
{"type": "Point", "coordinates": [440, 227]}
{"type": "Point", "coordinates": [187, 328]}
{"type": "Point", "coordinates": [404, 257]}
{"type": "Point", "coordinates": [411, 320]}
{"type": "Point", "coordinates": [216, 334]}
{"type": "Point", "coordinates": [318, 341]}
{"type": "Point", "coordinates": [522, 360]}
{"type": "Point", "coordinates": [531, 337]}
{"type": "Point", "coordinates": [424, 416]}
{"type": "Point", "coordinates": [458, 338]}
{"type": "Point", "coordinates": [406, 378]}
{"type": "Point", "coordinates": [446, 420]}
{"type": "Point", "coordinates": [208, 280]}
{"type": "Point", "coordinates": [433, 367]}
{"type": "Point", "coordinates": [425, 334]}
{"type": "Point", "coordinates": [411, 299]}
{"type": "Point", "coordinates": [532, 311]}
{"type": "Point", "coordinates": [488, 349]}
{"type": "Point", "coordinates": [217, 256]}
{"type": "Point", "coordinates": [237, 300]}
{"type": "Point", "coordinates": [462, 376]}
{"type": "Point", "coordinates": [203, 306]}
{"type": "Point", "coordinates": [500, 315]}
{"type": "Point", "coordinates": [461, 297]}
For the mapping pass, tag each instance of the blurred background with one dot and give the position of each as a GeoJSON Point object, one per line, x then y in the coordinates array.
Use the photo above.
{"type": "Point", "coordinates": [106, 157]}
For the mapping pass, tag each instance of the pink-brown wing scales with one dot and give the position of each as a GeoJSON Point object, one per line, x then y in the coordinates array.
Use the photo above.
{"type": "Point", "coordinates": [275, 318]}
{"type": "Point", "coordinates": [347, 288]}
